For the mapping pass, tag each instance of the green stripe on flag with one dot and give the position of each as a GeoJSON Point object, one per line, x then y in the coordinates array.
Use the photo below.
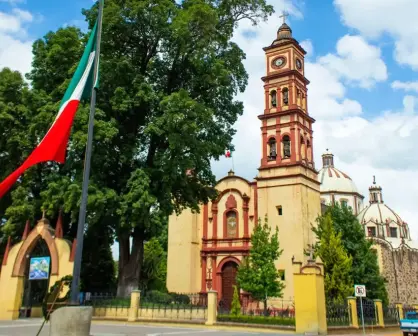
{"type": "Point", "coordinates": [90, 47]}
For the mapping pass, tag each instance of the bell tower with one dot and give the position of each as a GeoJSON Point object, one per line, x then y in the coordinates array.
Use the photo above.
{"type": "Point", "coordinates": [288, 188]}
{"type": "Point", "coordinates": [286, 124]}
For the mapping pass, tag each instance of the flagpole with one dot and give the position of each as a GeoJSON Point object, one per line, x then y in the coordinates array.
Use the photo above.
{"type": "Point", "coordinates": [86, 174]}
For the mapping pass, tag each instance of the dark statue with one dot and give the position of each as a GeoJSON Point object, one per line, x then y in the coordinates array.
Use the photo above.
{"type": "Point", "coordinates": [286, 148]}
{"type": "Point", "coordinates": [273, 99]}
{"type": "Point", "coordinates": [285, 96]}
{"type": "Point", "coordinates": [273, 152]}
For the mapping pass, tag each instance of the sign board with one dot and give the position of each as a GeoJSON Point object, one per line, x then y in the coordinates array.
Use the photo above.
{"type": "Point", "coordinates": [39, 268]}
{"type": "Point", "coordinates": [360, 290]}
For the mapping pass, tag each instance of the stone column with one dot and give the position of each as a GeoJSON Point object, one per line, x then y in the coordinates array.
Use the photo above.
{"type": "Point", "coordinates": [379, 313]}
{"type": "Point", "coordinates": [352, 306]}
{"type": "Point", "coordinates": [212, 307]}
{"type": "Point", "coordinates": [133, 309]}
{"type": "Point", "coordinates": [399, 306]}
{"type": "Point", "coordinates": [309, 294]}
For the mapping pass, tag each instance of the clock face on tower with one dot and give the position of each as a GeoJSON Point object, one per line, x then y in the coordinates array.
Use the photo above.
{"type": "Point", "coordinates": [298, 64]}
{"type": "Point", "coordinates": [279, 62]}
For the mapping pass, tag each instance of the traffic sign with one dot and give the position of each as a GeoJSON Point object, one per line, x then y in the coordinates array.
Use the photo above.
{"type": "Point", "coordinates": [360, 290]}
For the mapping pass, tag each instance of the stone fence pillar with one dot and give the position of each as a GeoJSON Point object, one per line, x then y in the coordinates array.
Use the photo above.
{"type": "Point", "coordinates": [133, 309]}
{"type": "Point", "coordinates": [352, 306]}
{"type": "Point", "coordinates": [212, 307]}
{"type": "Point", "coordinates": [310, 310]}
{"type": "Point", "coordinates": [379, 313]}
{"type": "Point", "coordinates": [399, 306]}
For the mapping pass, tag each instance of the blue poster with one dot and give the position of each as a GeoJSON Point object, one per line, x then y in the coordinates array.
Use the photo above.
{"type": "Point", "coordinates": [39, 268]}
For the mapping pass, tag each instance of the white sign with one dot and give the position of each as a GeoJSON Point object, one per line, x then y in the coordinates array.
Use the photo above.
{"type": "Point", "coordinates": [360, 290]}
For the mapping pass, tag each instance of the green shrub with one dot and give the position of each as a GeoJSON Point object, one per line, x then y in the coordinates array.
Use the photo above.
{"type": "Point", "coordinates": [236, 305]}
{"type": "Point", "coordinates": [180, 298]}
{"type": "Point", "coordinates": [155, 296]}
{"type": "Point", "coordinates": [257, 320]}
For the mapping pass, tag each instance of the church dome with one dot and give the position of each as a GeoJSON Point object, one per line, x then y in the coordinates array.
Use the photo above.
{"type": "Point", "coordinates": [377, 215]}
{"type": "Point", "coordinates": [333, 179]}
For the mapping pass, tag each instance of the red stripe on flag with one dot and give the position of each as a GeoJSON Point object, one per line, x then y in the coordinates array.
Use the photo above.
{"type": "Point", "coordinates": [52, 148]}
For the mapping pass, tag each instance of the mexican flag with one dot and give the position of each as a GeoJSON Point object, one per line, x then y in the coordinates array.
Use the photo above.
{"type": "Point", "coordinates": [53, 146]}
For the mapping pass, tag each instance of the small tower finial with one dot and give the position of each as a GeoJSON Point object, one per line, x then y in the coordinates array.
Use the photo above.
{"type": "Point", "coordinates": [374, 179]}
{"type": "Point", "coordinates": [43, 213]}
{"type": "Point", "coordinates": [284, 15]}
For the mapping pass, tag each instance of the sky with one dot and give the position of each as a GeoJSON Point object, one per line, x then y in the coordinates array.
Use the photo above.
{"type": "Point", "coordinates": [362, 63]}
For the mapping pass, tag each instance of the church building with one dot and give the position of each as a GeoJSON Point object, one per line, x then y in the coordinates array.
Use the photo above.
{"type": "Point", "coordinates": [205, 249]}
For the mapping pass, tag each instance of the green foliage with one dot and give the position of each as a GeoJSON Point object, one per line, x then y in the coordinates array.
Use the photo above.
{"type": "Point", "coordinates": [154, 269]}
{"type": "Point", "coordinates": [258, 274]}
{"type": "Point", "coordinates": [236, 304]}
{"type": "Point", "coordinates": [54, 295]}
{"type": "Point", "coordinates": [337, 263]}
{"type": "Point", "coordinates": [266, 320]}
{"type": "Point", "coordinates": [365, 267]}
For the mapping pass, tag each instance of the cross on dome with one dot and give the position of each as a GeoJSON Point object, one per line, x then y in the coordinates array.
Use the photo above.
{"type": "Point", "coordinates": [284, 15]}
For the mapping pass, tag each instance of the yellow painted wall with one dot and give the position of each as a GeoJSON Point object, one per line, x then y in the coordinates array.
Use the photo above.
{"type": "Point", "coordinates": [300, 201]}
{"type": "Point", "coordinates": [183, 263]}
{"type": "Point", "coordinates": [11, 288]}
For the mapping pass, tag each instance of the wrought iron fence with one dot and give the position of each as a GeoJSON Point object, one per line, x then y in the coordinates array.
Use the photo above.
{"type": "Point", "coordinates": [369, 311]}
{"type": "Point", "coordinates": [173, 306]}
{"type": "Point", "coordinates": [338, 314]}
{"type": "Point", "coordinates": [279, 312]}
{"type": "Point", "coordinates": [390, 315]}
{"type": "Point", "coordinates": [109, 300]}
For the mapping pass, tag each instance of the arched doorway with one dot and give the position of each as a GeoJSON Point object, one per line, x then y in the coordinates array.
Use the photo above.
{"type": "Point", "coordinates": [229, 280]}
{"type": "Point", "coordinates": [35, 285]}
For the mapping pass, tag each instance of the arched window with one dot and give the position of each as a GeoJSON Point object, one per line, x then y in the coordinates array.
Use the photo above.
{"type": "Point", "coordinates": [231, 224]}
{"type": "Point", "coordinates": [344, 203]}
{"type": "Point", "coordinates": [286, 146]}
{"type": "Point", "coordinates": [272, 149]}
{"type": "Point", "coordinates": [273, 100]}
{"type": "Point", "coordinates": [308, 145]}
{"type": "Point", "coordinates": [285, 94]}
{"type": "Point", "coordinates": [302, 147]}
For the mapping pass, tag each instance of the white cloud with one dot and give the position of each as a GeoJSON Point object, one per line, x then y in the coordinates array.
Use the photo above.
{"type": "Point", "coordinates": [407, 86]}
{"type": "Point", "coordinates": [356, 61]}
{"type": "Point", "coordinates": [308, 46]}
{"type": "Point", "coordinates": [15, 47]}
{"type": "Point", "coordinates": [374, 18]}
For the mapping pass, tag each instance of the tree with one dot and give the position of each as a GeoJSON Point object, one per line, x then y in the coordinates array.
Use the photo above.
{"type": "Point", "coordinates": [236, 304]}
{"type": "Point", "coordinates": [337, 263]}
{"type": "Point", "coordinates": [175, 108]}
{"type": "Point", "coordinates": [154, 270]}
{"type": "Point", "coordinates": [258, 274]}
{"type": "Point", "coordinates": [365, 268]}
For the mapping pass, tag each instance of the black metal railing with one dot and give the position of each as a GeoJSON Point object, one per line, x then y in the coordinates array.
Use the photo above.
{"type": "Point", "coordinates": [177, 306]}
{"type": "Point", "coordinates": [108, 300]}
{"type": "Point", "coordinates": [279, 312]}
{"type": "Point", "coordinates": [369, 311]}
{"type": "Point", "coordinates": [338, 314]}
{"type": "Point", "coordinates": [390, 315]}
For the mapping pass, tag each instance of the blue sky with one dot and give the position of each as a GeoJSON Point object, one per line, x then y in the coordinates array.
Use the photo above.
{"type": "Point", "coordinates": [362, 64]}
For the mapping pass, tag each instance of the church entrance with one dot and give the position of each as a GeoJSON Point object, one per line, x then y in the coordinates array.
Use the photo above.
{"type": "Point", "coordinates": [37, 272]}
{"type": "Point", "coordinates": [229, 280]}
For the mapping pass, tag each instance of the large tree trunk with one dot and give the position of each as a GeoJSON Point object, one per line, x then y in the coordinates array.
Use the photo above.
{"type": "Point", "coordinates": [130, 264]}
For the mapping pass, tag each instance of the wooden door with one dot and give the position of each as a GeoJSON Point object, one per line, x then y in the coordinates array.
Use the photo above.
{"type": "Point", "coordinates": [229, 280]}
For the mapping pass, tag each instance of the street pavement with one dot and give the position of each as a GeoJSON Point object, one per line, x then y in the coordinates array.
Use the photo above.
{"type": "Point", "coordinates": [30, 327]}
